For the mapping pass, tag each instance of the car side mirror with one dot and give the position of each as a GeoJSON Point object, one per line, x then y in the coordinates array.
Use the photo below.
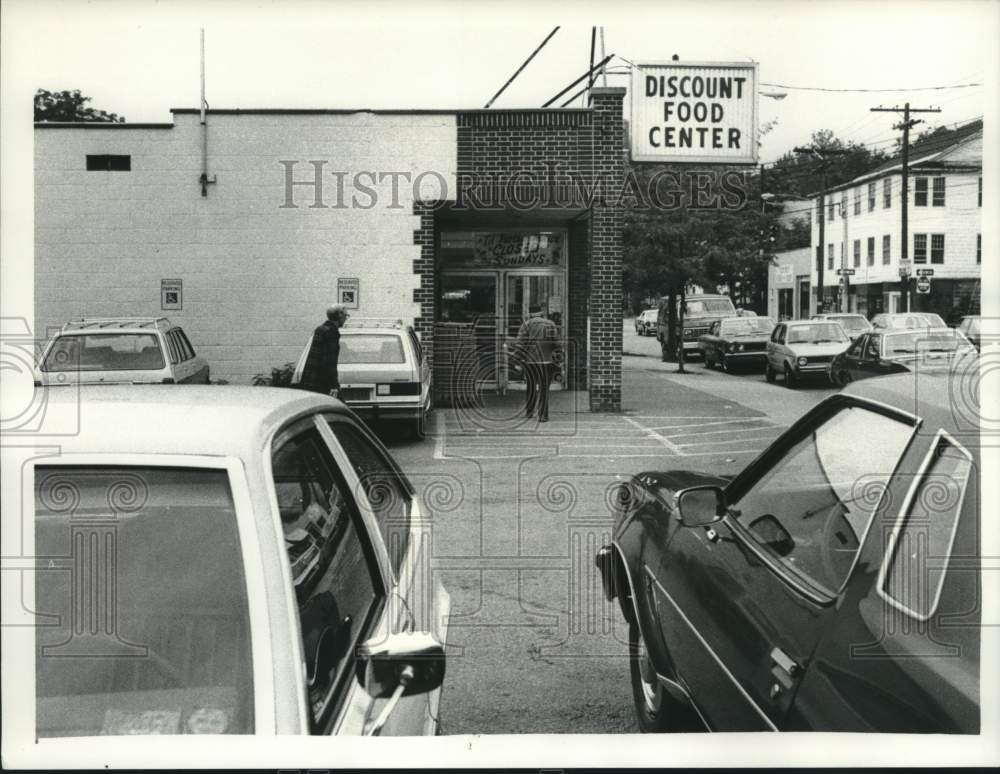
{"type": "Point", "coordinates": [399, 665]}
{"type": "Point", "coordinates": [699, 506]}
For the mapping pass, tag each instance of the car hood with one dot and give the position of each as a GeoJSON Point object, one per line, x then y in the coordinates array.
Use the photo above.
{"type": "Point", "coordinates": [745, 338]}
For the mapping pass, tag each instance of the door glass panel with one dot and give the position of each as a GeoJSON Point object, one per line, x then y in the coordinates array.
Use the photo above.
{"type": "Point", "coordinates": [333, 570]}
{"type": "Point", "coordinates": [472, 299]}
{"type": "Point", "coordinates": [812, 508]}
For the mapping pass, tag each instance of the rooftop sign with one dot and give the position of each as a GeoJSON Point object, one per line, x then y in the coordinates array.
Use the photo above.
{"type": "Point", "coordinates": [695, 112]}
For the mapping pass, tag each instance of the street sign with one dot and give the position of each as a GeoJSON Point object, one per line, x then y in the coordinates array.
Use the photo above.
{"type": "Point", "coordinates": [846, 272]}
{"type": "Point", "coordinates": [923, 285]}
{"type": "Point", "coordinates": [904, 268]}
{"type": "Point", "coordinates": [694, 112]}
{"type": "Point", "coordinates": [925, 272]}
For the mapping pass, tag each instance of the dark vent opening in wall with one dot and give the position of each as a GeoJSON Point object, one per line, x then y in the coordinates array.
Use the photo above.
{"type": "Point", "coordinates": [106, 163]}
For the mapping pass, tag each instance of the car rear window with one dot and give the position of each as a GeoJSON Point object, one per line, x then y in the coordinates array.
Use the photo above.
{"type": "Point", "coordinates": [816, 333]}
{"type": "Point", "coordinates": [747, 326]}
{"type": "Point", "coordinates": [105, 352]}
{"type": "Point", "coordinates": [370, 348]}
{"type": "Point", "coordinates": [143, 596]}
{"type": "Point", "coordinates": [853, 323]}
{"type": "Point", "coordinates": [923, 341]}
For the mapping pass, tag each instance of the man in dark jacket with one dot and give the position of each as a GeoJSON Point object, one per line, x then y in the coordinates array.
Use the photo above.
{"type": "Point", "coordinates": [319, 374]}
{"type": "Point", "coordinates": [538, 345]}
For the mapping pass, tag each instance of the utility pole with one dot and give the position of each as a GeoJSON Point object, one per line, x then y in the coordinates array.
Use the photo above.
{"type": "Point", "coordinates": [904, 254]}
{"type": "Point", "coordinates": [821, 154]}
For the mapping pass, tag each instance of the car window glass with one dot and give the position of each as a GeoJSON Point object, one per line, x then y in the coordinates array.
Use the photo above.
{"type": "Point", "coordinates": [416, 346]}
{"type": "Point", "coordinates": [812, 507]}
{"type": "Point", "coordinates": [333, 572]}
{"type": "Point", "coordinates": [917, 562]}
{"type": "Point", "coordinates": [374, 348]}
{"type": "Point", "coordinates": [872, 350]}
{"type": "Point", "coordinates": [187, 351]}
{"type": "Point", "coordinates": [172, 348]}
{"type": "Point", "coordinates": [145, 602]}
{"type": "Point", "coordinates": [105, 352]}
{"type": "Point", "coordinates": [855, 349]}
{"type": "Point", "coordinates": [389, 497]}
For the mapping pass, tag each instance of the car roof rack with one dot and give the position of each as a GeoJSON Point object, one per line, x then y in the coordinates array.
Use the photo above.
{"type": "Point", "coordinates": [105, 323]}
{"type": "Point", "coordinates": [373, 322]}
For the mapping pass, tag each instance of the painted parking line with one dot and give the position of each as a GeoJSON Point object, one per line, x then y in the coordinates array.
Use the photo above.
{"type": "Point", "coordinates": [650, 433]}
{"type": "Point", "coordinates": [729, 431]}
{"type": "Point", "coordinates": [743, 421]}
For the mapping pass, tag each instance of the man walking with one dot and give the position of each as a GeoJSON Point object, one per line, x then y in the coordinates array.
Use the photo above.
{"type": "Point", "coordinates": [319, 374]}
{"type": "Point", "coordinates": [538, 342]}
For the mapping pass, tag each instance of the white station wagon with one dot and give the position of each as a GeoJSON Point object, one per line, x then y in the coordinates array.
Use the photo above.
{"type": "Point", "coordinates": [121, 350]}
{"type": "Point", "coordinates": [223, 560]}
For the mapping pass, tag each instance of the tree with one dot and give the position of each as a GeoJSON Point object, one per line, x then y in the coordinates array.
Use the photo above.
{"type": "Point", "coordinates": [801, 174]}
{"type": "Point", "coordinates": [70, 107]}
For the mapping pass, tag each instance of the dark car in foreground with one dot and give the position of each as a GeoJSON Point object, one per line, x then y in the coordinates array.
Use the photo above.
{"type": "Point", "coordinates": [970, 327]}
{"type": "Point", "coordinates": [736, 340]}
{"type": "Point", "coordinates": [832, 585]}
{"type": "Point", "coordinates": [884, 352]}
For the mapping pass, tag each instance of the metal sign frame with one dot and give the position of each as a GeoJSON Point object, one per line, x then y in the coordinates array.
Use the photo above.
{"type": "Point", "coordinates": [635, 81]}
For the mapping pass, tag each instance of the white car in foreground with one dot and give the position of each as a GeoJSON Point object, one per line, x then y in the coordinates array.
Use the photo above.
{"type": "Point", "coordinates": [220, 560]}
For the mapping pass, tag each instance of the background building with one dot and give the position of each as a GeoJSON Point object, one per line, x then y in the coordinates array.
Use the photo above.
{"type": "Point", "coordinates": [863, 229]}
{"type": "Point", "coordinates": [428, 216]}
{"type": "Point", "coordinates": [788, 285]}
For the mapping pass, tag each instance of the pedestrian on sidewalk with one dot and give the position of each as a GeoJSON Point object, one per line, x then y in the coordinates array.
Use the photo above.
{"type": "Point", "coordinates": [538, 343]}
{"type": "Point", "coordinates": [319, 373]}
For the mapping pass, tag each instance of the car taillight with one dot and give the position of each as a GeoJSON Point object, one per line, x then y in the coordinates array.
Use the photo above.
{"type": "Point", "coordinates": [168, 380]}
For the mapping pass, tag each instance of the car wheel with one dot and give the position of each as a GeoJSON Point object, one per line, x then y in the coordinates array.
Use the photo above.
{"type": "Point", "coordinates": [790, 380]}
{"type": "Point", "coordinates": [769, 373]}
{"type": "Point", "coordinates": [724, 363]}
{"type": "Point", "coordinates": [842, 379]}
{"type": "Point", "coordinates": [655, 709]}
{"type": "Point", "coordinates": [664, 352]}
{"type": "Point", "coordinates": [651, 700]}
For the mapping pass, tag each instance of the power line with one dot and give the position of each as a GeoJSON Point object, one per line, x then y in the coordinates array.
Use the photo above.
{"type": "Point", "coordinates": [523, 65]}
{"type": "Point", "coordinates": [891, 91]}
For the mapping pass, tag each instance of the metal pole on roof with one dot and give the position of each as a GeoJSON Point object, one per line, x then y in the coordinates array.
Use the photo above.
{"type": "Point", "coordinates": [204, 127]}
{"type": "Point", "coordinates": [523, 65]}
{"type": "Point", "coordinates": [593, 45]}
{"type": "Point", "coordinates": [604, 72]}
{"type": "Point", "coordinates": [579, 80]}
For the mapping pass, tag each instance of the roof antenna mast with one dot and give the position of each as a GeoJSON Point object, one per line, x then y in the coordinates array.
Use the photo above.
{"type": "Point", "coordinates": [204, 179]}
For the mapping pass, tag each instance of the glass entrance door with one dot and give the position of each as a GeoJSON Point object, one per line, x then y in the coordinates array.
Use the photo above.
{"type": "Point", "coordinates": [524, 291]}
{"type": "Point", "coordinates": [472, 299]}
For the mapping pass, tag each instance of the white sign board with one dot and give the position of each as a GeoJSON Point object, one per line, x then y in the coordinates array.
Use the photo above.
{"type": "Point", "coordinates": [695, 112]}
{"type": "Point", "coordinates": [171, 294]}
{"type": "Point", "coordinates": [349, 292]}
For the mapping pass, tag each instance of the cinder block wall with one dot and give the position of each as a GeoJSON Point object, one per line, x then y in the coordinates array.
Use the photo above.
{"type": "Point", "coordinates": [257, 275]}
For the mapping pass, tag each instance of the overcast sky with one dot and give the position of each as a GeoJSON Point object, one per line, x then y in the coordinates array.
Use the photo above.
{"type": "Point", "coordinates": [140, 58]}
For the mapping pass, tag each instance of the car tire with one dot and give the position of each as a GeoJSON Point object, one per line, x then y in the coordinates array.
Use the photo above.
{"type": "Point", "coordinates": [769, 375]}
{"type": "Point", "coordinates": [724, 364]}
{"type": "Point", "coordinates": [841, 379]}
{"type": "Point", "coordinates": [790, 380]}
{"type": "Point", "coordinates": [664, 353]}
{"type": "Point", "coordinates": [656, 710]}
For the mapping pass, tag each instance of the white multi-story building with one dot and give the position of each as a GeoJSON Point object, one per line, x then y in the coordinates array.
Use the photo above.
{"type": "Point", "coordinates": [862, 223]}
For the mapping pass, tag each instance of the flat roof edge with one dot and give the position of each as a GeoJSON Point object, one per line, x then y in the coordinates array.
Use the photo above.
{"type": "Point", "coordinates": [351, 111]}
{"type": "Point", "coordinates": [97, 125]}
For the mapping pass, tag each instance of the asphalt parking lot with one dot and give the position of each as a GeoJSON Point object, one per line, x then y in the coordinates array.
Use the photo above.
{"type": "Point", "coordinates": [517, 510]}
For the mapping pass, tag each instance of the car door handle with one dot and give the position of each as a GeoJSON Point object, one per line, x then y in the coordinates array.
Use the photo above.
{"type": "Point", "coordinates": [782, 660]}
{"type": "Point", "coordinates": [783, 670]}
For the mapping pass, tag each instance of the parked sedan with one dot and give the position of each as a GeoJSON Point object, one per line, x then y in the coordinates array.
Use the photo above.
{"type": "Point", "coordinates": [267, 562]}
{"type": "Point", "coordinates": [736, 340]}
{"type": "Point", "coordinates": [645, 323]}
{"type": "Point", "coordinates": [885, 352]}
{"type": "Point", "coordinates": [832, 585]}
{"type": "Point", "coordinates": [853, 324]}
{"type": "Point", "coordinates": [803, 348]}
{"type": "Point", "coordinates": [903, 320]}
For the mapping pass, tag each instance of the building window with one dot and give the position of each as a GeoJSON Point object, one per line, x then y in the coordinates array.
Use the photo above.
{"type": "Point", "coordinates": [843, 204]}
{"type": "Point", "coordinates": [938, 197]}
{"type": "Point", "coordinates": [871, 197]}
{"type": "Point", "coordinates": [979, 246]}
{"type": "Point", "coordinates": [937, 248]}
{"type": "Point", "coordinates": [819, 212]}
{"type": "Point", "coordinates": [887, 193]}
{"type": "Point", "coordinates": [980, 198]}
{"type": "Point", "coordinates": [920, 192]}
{"type": "Point", "coordinates": [886, 243]}
{"type": "Point", "coordinates": [857, 252]}
{"type": "Point", "coordinates": [105, 163]}
{"type": "Point", "coordinates": [871, 251]}
{"type": "Point", "coordinates": [829, 256]}
{"type": "Point", "coordinates": [857, 201]}
{"type": "Point", "coordinates": [829, 211]}
{"type": "Point", "coordinates": [920, 248]}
